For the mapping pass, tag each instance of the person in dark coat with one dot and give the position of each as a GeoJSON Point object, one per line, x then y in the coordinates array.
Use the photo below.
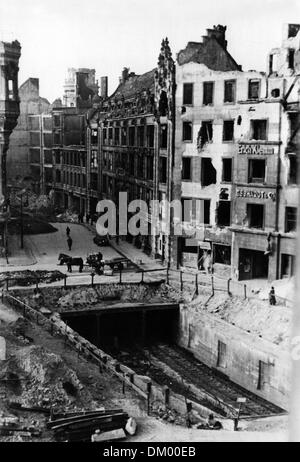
{"type": "Point", "coordinates": [69, 265]}
{"type": "Point", "coordinates": [69, 242]}
{"type": "Point", "coordinates": [68, 231]}
{"type": "Point", "coordinates": [272, 298]}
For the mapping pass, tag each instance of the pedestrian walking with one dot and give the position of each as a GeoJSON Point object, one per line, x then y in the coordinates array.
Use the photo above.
{"type": "Point", "coordinates": [272, 298]}
{"type": "Point", "coordinates": [68, 231]}
{"type": "Point", "coordinates": [69, 242]}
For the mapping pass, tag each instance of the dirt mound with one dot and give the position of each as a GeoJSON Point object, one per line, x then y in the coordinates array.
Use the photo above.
{"type": "Point", "coordinates": [43, 379]}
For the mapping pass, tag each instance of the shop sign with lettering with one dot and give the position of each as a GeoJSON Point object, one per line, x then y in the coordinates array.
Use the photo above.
{"type": "Point", "coordinates": [256, 149]}
{"type": "Point", "coordinates": [256, 194]}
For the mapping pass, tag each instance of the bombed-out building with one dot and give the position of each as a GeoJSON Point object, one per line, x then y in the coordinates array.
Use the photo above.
{"type": "Point", "coordinates": [235, 167]}
{"type": "Point", "coordinates": [9, 112]}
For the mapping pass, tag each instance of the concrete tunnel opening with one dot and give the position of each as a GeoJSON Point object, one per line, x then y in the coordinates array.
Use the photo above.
{"type": "Point", "coordinates": [116, 328]}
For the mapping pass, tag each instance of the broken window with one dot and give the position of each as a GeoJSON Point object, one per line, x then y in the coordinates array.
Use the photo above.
{"type": "Point", "coordinates": [275, 93]}
{"type": "Point", "coordinates": [208, 172]}
{"type": "Point", "coordinates": [131, 136]}
{"type": "Point", "coordinates": [117, 136]}
{"type": "Point", "coordinates": [164, 136]}
{"type": "Point", "coordinates": [187, 93]}
{"type": "Point", "coordinates": [229, 91]}
{"type": "Point", "coordinates": [110, 133]}
{"type": "Point", "coordinates": [140, 135]}
{"type": "Point", "coordinates": [228, 130]}
{"type": "Point", "coordinates": [293, 30]}
{"type": "Point", "coordinates": [293, 169]}
{"type": "Point", "coordinates": [196, 210]}
{"type": "Point", "coordinates": [94, 136]}
{"type": "Point", "coordinates": [227, 170]}
{"type": "Point", "coordinates": [123, 136]}
{"type": "Point", "coordinates": [131, 164]}
{"type": "Point", "coordinates": [56, 121]}
{"type": "Point", "coordinates": [259, 129]}
{"type": "Point", "coordinates": [10, 90]}
{"type": "Point", "coordinates": [149, 168]}
{"type": "Point", "coordinates": [290, 219]}
{"type": "Point", "coordinates": [224, 213]}
{"type": "Point", "coordinates": [140, 166]}
{"type": "Point", "coordinates": [222, 254]}
{"type": "Point", "coordinates": [221, 362]}
{"type": "Point", "coordinates": [254, 89]}
{"type": "Point", "coordinates": [205, 134]}
{"type": "Point", "coordinates": [187, 131]}
{"type": "Point", "coordinates": [186, 168]}
{"type": "Point", "coordinates": [291, 59]}
{"type": "Point", "coordinates": [257, 171]}
{"type": "Point", "coordinates": [150, 136]}
{"type": "Point", "coordinates": [255, 215]}
{"type": "Point", "coordinates": [287, 265]}
{"type": "Point", "coordinates": [208, 93]}
{"type": "Point", "coordinates": [163, 169]}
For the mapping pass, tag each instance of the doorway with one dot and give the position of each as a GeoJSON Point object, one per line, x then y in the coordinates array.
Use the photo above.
{"type": "Point", "coordinates": [253, 264]}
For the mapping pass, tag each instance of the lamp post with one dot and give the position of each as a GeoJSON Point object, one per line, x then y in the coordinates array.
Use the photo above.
{"type": "Point", "coordinates": [21, 223]}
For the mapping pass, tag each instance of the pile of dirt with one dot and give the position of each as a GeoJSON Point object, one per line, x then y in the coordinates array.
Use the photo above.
{"type": "Point", "coordinates": [42, 378]}
{"type": "Point", "coordinates": [69, 216]}
{"type": "Point", "coordinates": [28, 277]}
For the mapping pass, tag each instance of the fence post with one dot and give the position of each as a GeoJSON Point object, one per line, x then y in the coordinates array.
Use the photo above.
{"type": "Point", "coordinates": [148, 397]}
{"type": "Point", "coordinates": [181, 281]}
{"type": "Point", "coordinates": [196, 284]}
{"type": "Point", "coordinates": [142, 280]}
{"type": "Point", "coordinates": [168, 276]}
{"type": "Point", "coordinates": [120, 270]}
{"type": "Point", "coordinates": [65, 281]}
{"type": "Point", "coordinates": [228, 286]}
{"type": "Point", "coordinates": [212, 286]}
{"type": "Point", "coordinates": [245, 291]}
{"type": "Point", "coordinates": [92, 276]}
{"type": "Point", "coordinates": [37, 284]}
{"type": "Point", "coordinates": [7, 284]}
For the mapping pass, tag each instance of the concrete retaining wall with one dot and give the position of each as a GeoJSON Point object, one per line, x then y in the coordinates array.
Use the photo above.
{"type": "Point", "coordinates": [201, 335]}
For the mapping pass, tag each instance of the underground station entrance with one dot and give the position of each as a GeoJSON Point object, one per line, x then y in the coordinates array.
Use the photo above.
{"type": "Point", "coordinates": [125, 325]}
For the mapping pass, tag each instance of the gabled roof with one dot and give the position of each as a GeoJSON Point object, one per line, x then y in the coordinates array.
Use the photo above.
{"type": "Point", "coordinates": [134, 84]}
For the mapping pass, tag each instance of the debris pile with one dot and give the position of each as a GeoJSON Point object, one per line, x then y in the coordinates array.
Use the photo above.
{"type": "Point", "coordinates": [28, 277]}
{"type": "Point", "coordinates": [67, 217]}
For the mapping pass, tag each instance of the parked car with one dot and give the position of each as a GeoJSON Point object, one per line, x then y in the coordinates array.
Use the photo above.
{"type": "Point", "coordinates": [101, 240]}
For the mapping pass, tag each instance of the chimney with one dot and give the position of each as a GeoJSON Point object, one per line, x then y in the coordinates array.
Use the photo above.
{"type": "Point", "coordinates": [104, 85]}
{"type": "Point", "coordinates": [219, 33]}
{"type": "Point", "coordinates": [125, 74]}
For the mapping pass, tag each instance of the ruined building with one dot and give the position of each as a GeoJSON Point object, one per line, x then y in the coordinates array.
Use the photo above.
{"type": "Point", "coordinates": [235, 161]}
{"type": "Point", "coordinates": [9, 112]}
{"type": "Point", "coordinates": [24, 163]}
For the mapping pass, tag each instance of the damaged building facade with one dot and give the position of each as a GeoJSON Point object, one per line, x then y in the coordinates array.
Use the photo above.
{"type": "Point", "coordinates": [9, 112]}
{"type": "Point", "coordinates": [235, 162]}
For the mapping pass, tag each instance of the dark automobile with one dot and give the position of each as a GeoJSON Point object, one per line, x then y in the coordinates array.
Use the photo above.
{"type": "Point", "coordinates": [101, 240]}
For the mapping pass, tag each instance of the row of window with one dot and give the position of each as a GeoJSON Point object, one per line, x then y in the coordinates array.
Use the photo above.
{"type": "Point", "coordinates": [258, 131]}
{"type": "Point", "coordinates": [141, 135]}
{"type": "Point", "coordinates": [71, 178]}
{"type": "Point", "coordinates": [254, 86]}
{"type": "Point", "coordinates": [137, 166]}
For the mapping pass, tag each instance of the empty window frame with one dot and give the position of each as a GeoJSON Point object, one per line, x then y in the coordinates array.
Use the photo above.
{"type": "Point", "coordinates": [205, 133]}
{"type": "Point", "coordinates": [257, 171]}
{"type": "Point", "coordinates": [208, 93]}
{"type": "Point", "coordinates": [196, 209]}
{"type": "Point", "coordinates": [293, 169]}
{"type": "Point", "coordinates": [187, 131]}
{"type": "Point", "coordinates": [222, 254]}
{"type": "Point", "coordinates": [208, 172]}
{"type": "Point", "coordinates": [187, 94]}
{"type": "Point", "coordinates": [254, 89]}
{"type": "Point", "coordinates": [287, 265]}
{"type": "Point", "coordinates": [291, 58]}
{"type": "Point", "coordinates": [255, 215]}
{"type": "Point", "coordinates": [163, 169]}
{"type": "Point", "coordinates": [227, 170]}
{"type": "Point", "coordinates": [94, 136]}
{"type": "Point", "coordinates": [259, 129]}
{"type": "Point", "coordinates": [228, 130]}
{"type": "Point", "coordinates": [117, 136]}
{"type": "Point", "coordinates": [290, 219]}
{"type": "Point", "coordinates": [224, 213]}
{"type": "Point", "coordinates": [186, 168]}
{"type": "Point", "coordinates": [149, 167]}
{"type": "Point", "coordinates": [131, 136]}
{"type": "Point", "coordinates": [229, 91]}
{"type": "Point", "coordinates": [164, 136]}
{"type": "Point", "coordinates": [150, 136]}
{"type": "Point", "coordinates": [221, 361]}
{"type": "Point", "coordinates": [140, 135]}
{"type": "Point", "coordinates": [123, 136]}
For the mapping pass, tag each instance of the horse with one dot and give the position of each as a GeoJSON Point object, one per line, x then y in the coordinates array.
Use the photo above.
{"type": "Point", "coordinates": [70, 261]}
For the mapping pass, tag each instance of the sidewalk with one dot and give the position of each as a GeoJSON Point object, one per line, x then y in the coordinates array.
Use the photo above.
{"type": "Point", "coordinates": [17, 256]}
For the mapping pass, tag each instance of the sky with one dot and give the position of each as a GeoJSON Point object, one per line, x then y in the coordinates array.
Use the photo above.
{"type": "Point", "coordinates": [108, 35]}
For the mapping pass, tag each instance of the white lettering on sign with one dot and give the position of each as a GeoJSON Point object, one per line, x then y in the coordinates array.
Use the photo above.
{"type": "Point", "coordinates": [255, 149]}
{"type": "Point", "coordinates": [256, 194]}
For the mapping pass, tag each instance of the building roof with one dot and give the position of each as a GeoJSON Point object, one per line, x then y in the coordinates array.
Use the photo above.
{"type": "Point", "coordinates": [212, 52]}
{"type": "Point", "coordinates": [134, 84]}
